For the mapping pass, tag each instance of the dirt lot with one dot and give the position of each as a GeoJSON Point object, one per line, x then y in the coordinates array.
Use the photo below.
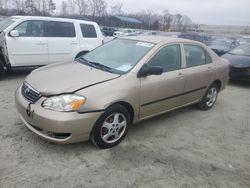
{"type": "Point", "coordinates": [186, 148]}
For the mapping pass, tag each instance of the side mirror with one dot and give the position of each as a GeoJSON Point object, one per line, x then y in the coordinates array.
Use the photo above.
{"type": "Point", "coordinates": [149, 70]}
{"type": "Point", "coordinates": [14, 33]}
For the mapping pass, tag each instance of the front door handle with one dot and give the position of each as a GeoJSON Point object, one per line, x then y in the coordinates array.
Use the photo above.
{"type": "Point", "coordinates": [180, 76]}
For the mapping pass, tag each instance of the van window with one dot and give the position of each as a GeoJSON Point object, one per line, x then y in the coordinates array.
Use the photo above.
{"type": "Point", "coordinates": [31, 28]}
{"type": "Point", "coordinates": [88, 31]}
{"type": "Point", "coordinates": [6, 23]}
{"type": "Point", "coordinates": [195, 55]}
{"type": "Point", "coordinates": [61, 29]}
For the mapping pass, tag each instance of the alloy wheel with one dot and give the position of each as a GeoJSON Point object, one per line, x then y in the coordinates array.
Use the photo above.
{"type": "Point", "coordinates": [113, 128]}
{"type": "Point", "coordinates": [211, 96]}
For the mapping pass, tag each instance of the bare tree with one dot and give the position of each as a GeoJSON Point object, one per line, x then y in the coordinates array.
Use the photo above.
{"type": "Point", "coordinates": [117, 9]}
{"type": "Point", "coordinates": [64, 8]}
{"type": "Point", "coordinates": [71, 6]}
{"type": "Point", "coordinates": [98, 8]}
{"type": "Point", "coordinates": [82, 7]}
{"type": "Point", "coordinates": [186, 23]}
{"type": "Point", "coordinates": [30, 7]}
{"type": "Point", "coordinates": [1, 4]}
{"type": "Point", "coordinates": [18, 5]}
{"type": "Point", "coordinates": [51, 7]}
{"type": "Point", "coordinates": [167, 18]}
{"type": "Point", "coordinates": [5, 4]}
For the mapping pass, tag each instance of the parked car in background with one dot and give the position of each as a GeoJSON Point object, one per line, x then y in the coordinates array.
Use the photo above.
{"type": "Point", "coordinates": [222, 45]}
{"type": "Point", "coordinates": [200, 37]}
{"type": "Point", "coordinates": [162, 33]}
{"type": "Point", "coordinates": [124, 32]}
{"type": "Point", "coordinates": [101, 94]}
{"type": "Point", "coordinates": [107, 38]}
{"type": "Point", "coordinates": [108, 31]}
{"type": "Point", "coordinates": [239, 59]}
{"type": "Point", "coordinates": [37, 41]}
{"type": "Point", "coordinates": [245, 39]}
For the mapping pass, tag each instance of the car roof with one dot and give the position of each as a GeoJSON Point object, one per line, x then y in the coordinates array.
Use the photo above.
{"type": "Point", "coordinates": [160, 39]}
{"type": "Point", "coordinates": [52, 18]}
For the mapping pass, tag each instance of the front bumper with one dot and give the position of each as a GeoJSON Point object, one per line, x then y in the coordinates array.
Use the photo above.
{"type": "Point", "coordinates": [239, 73]}
{"type": "Point", "coordinates": [57, 127]}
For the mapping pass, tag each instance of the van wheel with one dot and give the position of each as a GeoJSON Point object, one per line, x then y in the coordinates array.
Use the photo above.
{"type": "Point", "coordinates": [111, 128]}
{"type": "Point", "coordinates": [2, 70]}
{"type": "Point", "coordinates": [209, 98]}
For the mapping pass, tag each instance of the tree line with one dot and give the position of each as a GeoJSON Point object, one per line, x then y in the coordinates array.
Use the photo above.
{"type": "Point", "coordinates": [96, 10]}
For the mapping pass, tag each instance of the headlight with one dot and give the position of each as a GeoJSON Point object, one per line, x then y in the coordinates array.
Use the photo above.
{"type": "Point", "coordinates": [64, 103]}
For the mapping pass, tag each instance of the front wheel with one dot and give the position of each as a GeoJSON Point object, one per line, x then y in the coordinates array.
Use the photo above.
{"type": "Point", "coordinates": [111, 128]}
{"type": "Point", "coordinates": [210, 98]}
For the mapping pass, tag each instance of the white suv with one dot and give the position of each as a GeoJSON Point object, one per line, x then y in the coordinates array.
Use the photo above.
{"type": "Point", "coordinates": [36, 41]}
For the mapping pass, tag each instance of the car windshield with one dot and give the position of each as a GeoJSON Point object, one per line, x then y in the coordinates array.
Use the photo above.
{"type": "Point", "coordinates": [6, 23]}
{"type": "Point", "coordinates": [118, 56]}
{"type": "Point", "coordinates": [241, 50]}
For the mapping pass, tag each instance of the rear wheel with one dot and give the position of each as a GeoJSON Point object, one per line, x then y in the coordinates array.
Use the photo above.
{"type": "Point", "coordinates": [210, 98]}
{"type": "Point", "coordinates": [111, 128]}
{"type": "Point", "coordinates": [2, 70]}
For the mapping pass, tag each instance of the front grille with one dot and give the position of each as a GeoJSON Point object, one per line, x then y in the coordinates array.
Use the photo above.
{"type": "Point", "coordinates": [30, 93]}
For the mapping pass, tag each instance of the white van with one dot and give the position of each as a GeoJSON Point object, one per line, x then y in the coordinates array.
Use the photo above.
{"type": "Point", "coordinates": [37, 41]}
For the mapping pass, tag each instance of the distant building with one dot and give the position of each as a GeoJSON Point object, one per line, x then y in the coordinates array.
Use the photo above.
{"type": "Point", "coordinates": [124, 21]}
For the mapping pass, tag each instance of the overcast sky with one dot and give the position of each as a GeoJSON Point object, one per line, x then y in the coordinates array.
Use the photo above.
{"type": "Point", "coordinates": [222, 12]}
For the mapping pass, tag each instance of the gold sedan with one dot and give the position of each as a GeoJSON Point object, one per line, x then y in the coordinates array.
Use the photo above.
{"type": "Point", "coordinates": [102, 93]}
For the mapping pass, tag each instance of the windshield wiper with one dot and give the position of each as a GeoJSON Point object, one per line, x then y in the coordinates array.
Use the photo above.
{"type": "Point", "coordinates": [84, 61]}
{"type": "Point", "coordinates": [96, 65]}
{"type": "Point", "coordinates": [101, 66]}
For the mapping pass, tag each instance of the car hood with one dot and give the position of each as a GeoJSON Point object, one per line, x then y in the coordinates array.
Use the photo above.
{"type": "Point", "coordinates": [238, 61]}
{"type": "Point", "coordinates": [66, 78]}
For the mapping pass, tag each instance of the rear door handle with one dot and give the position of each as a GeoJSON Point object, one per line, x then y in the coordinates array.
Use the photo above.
{"type": "Point", "coordinates": [180, 76]}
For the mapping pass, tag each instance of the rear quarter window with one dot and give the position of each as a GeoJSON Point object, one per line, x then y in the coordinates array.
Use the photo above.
{"type": "Point", "coordinates": [88, 31]}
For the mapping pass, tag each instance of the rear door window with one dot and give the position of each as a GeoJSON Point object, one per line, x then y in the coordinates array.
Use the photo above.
{"type": "Point", "coordinates": [88, 31]}
{"type": "Point", "coordinates": [61, 29]}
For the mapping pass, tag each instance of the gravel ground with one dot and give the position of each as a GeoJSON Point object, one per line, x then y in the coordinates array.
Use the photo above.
{"type": "Point", "coordinates": [186, 148]}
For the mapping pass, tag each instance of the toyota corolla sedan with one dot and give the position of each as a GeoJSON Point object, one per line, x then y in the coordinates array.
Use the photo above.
{"type": "Point", "coordinates": [100, 95]}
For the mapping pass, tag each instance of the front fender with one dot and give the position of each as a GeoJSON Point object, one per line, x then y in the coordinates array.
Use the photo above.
{"type": "Point", "coordinates": [101, 96]}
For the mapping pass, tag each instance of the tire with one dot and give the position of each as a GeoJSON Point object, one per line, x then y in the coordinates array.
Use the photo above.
{"type": "Point", "coordinates": [2, 70]}
{"type": "Point", "coordinates": [209, 98]}
{"type": "Point", "coordinates": [111, 128]}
